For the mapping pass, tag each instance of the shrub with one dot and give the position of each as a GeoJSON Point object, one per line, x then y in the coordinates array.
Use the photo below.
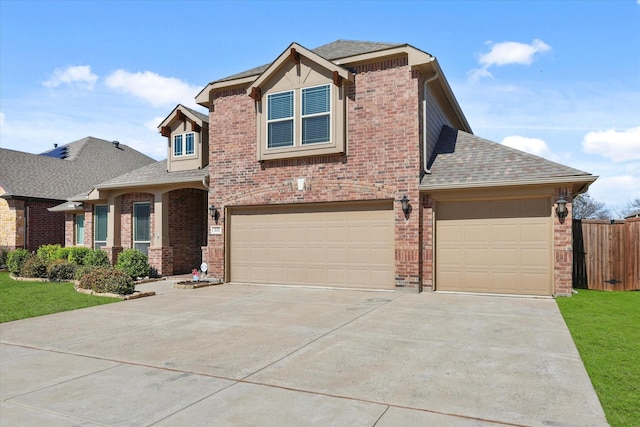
{"type": "Point", "coordinates": [50, 252]}
{"type": "Point", "coordinates": [107, 279]}
{"type": "Point", "coordinates": [34, 266]}
{"type": "Point", "coordinates": [96, 257]}
{"type": "Point", "coordinates": [84, 269]}
{"type": "Point", "coordinates": [3, 257]}
{"type": "Point", "coordinates": [15, 259]}
{"type": "Point", "coordinates": [134, 263]}
{"type": "Point", "coordinates": [61, 270]}
{"type": "Point", "coordinates": [77, 254]}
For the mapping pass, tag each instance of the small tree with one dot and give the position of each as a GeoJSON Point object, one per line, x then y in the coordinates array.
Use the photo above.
{"type": "Point", "coordinates": [134, 263]}
{"type": "Point", "coordinates": [584, 207]}
{"type": "Point", "coordinates": [631, 207]}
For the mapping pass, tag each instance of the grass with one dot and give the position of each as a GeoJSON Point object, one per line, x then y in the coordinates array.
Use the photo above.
{"type": "Point", "coordinates": [20, 300]}
{"type": "Point", "coordinates": [606, 329]}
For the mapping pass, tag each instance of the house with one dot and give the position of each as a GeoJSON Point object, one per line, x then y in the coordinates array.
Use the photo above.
{"type": "Point", "coordinates": [160, 208]}
{"type": "Point", "coordinates": [351, 166]}
{"type": "Point", "coordinates": [32, 184]}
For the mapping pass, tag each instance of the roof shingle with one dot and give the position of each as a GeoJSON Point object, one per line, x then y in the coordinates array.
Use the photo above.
{"type": "Point", "coordinates": [461, 159]}
{"type": "Point", "coordinates": [90, 161]}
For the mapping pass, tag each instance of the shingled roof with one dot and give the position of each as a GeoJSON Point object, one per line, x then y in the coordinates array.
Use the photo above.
{"type": "Point", "coordinates": [89, 162]}
{"type": "Point", "coordinates": [331, 52]}
{"type": "Point", "coordinates": [155, 174]}
{"type": "Point", "coordinates": [463, 160]}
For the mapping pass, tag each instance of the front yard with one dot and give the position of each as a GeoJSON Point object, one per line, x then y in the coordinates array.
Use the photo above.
{"type": "Point", "coordinates": [606, 329]}
{"type": "Point", "coordinates": [20, 300]}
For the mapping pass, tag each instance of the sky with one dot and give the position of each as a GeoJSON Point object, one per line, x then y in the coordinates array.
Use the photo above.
{"type": "Point", "coordinates": [559, 79]}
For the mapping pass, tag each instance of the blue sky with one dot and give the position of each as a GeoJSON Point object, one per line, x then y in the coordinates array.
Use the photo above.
{"type": "Point", "coordinates": [560, 79]}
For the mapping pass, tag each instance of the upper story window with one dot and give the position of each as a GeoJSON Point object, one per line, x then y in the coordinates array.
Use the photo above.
{"type": "Point", "coordinates": [311, 124]}
{"type": "Point", "coordinates": [183, 144]}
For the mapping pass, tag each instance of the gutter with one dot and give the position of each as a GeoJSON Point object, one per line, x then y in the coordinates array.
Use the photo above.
{"type": "Point", "coordinates": [539, 181]}
{"type": "Point", "coordinates": [425, 90]}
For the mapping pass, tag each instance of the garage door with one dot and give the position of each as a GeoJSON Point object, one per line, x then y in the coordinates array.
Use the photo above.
{"type": "Point", "coordinates": [494, 246]}
{"type": "Point", "coordinates": [341, 245]}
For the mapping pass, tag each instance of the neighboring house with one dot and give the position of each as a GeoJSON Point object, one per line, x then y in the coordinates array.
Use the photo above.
{"type": "Point", "coordinates": [350, 165]}
{"type": "Point", "coordinates": [160, 209]}
{"type": "Point", "coordinates": [32, 184]}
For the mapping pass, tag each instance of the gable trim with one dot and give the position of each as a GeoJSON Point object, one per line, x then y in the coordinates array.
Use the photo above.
{"type": "Point", "coordinates": [292, 53]}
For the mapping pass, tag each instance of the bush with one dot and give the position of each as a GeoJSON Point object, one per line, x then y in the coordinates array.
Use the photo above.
{"type": "Point", "coordinates": [134, 263]}
{"type": "Point", "coordinates": [51, 252]}
{"type": "Point", "coordinates": [107, 279]}
{"type": "Point", "coordinates": [15, 259]}
{"type": "Point", "coordinates": [3, 257]}
{"type": "Point", "coordinates": [96, 257]}
{"type": "Point", "coordinates": [78, 254]}
{"type": "Point", "coordinates": [61, 270]}
{"type": "Point", "coordinates": [34, 266]}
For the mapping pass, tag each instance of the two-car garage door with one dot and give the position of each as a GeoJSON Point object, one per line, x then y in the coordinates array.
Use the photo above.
{"type": "Point", "coordinates": [496, 246]}
{"type": "Point", "coordinates": [339, 245]}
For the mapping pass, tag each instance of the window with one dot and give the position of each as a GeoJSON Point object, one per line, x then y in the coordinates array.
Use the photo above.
{"type": "Point", "coordinates": [315, 117]}
{"type": "Point", "coordinates": [280, 120]}
{"type": "Point", "coordinates": [316, 112]}
{"type": "Point", "coordinates": [177, 145]}
{"type": "Point", "coordinates": [79, 229]}
{"type": "Point", "coordinates": [189, 146]}
{"type": "Point", "coordinates": [184, 144]}
{"type": "Point", "coordinates": [142, 227]}
{"type": "Point", "coordinates": [100, 226]}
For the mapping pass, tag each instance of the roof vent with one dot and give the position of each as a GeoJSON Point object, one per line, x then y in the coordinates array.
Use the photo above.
{"type": "Point", "coordinates": [57, 152]}
{"type": "Point", "coordinates": [116, 144]}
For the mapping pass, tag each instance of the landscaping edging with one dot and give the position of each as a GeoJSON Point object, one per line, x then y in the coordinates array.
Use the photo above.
{"type": "Point", "coordinates": [134, 295]}
{"type": "Point", "coordinates": [76, 286]}
{"type": "Point", "coordinates": [195, 285]}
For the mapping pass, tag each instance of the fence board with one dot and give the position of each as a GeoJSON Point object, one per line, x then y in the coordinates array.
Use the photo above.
{"type": "Point", "coordinates": [606, 254]}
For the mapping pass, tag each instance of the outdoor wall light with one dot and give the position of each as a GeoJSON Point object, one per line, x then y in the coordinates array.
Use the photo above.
{"type": "Point", "coordinates": [561, 209]}
{"type": "Point", "coordinates": [213, 212]}
{"type": "Point", "coordinates": [405, 204]}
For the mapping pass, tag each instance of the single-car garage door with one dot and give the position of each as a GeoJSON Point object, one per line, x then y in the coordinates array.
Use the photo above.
{"type": "Point", "coordinates": [497, 246]}
{"type": "Point", "coordinates": [341, 245]}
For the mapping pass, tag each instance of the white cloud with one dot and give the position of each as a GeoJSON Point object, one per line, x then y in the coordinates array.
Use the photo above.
{"type": "Point", "coordinates": [152, 124]}
{"type": "Point", "coordinates": [512, 53]}
{"type": "Point", "coordinates": [530, 145]}
{"type": "Point", "coordinates": [79, 75]}
{"type": "Point", "coordinates": [612, 144]}
{"type": "Point", "coordinates": [153, 88]}
{"type": "Point", "coordinates": [506, 53]}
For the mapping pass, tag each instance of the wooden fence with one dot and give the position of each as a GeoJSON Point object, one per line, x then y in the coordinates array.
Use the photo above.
{"type": "Point", "coordinates": [606, 254]}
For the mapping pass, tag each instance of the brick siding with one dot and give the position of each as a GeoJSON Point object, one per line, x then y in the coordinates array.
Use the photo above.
{"type": "Point", "coordinates": [383, 160]}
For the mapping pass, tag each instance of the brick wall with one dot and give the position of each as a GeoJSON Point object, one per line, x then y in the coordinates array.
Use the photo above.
{"type": "Point", "coordinates": [383, 160]}
{"type": "Point", "coordinates": [187, 228]}
{"type": "Point", "coordinates": [562, 246]}
{"type": "Point", "coordinates": [11, 223]}
{"type": "Point", "coordinates": [427, 243]}
{"type": "Point", "coordinates": [126, 216]}
{"type": "Point", "coordinates": [44, 227]}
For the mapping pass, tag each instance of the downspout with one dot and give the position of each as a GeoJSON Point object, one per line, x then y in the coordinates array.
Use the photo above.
{"type": "Point", "coordinates": [424, 123]}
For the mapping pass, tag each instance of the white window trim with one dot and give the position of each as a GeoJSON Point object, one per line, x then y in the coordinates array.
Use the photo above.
{"type": "Point", "coordinates": [329, 113]}
{"type": "Point", "coordinates": [298, 119]}
{"type": "Point", "coordinates": [284, 119]}
{"type": "Point", "coordinates": [183, 145]}
{"type": "Point", "coordinates": [76, 234]}
{"type": "Point", "coordinates": [95, 226]}
{"type": "Point", "coordinates": [133, 229]}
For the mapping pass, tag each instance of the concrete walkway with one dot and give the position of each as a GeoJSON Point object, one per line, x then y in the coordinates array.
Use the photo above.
{"type": "Point", "coordinates": [234, 355]}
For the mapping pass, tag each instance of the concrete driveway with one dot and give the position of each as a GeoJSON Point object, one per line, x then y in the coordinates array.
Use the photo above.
{"type": "Point", "coordinates": [280, 356]}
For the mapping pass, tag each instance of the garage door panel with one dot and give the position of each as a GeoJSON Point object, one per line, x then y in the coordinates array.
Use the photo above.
{"type": "Point", "coordinates": [494, 246]}
{"type": "Point", "coordinates": [338, 245]}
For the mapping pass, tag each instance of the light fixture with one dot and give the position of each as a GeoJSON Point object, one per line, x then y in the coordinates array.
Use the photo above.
{"type": "Point", "coordinates": [213, 212]}
{"type": "Point", "coordinates": [561, 209]}
{"type": "Point", "coordinates": [405, 204]}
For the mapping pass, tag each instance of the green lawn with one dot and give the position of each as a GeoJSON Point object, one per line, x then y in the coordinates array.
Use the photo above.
{"type": "Point", "coordinates": [19, 300]}
{"type": "Point", "coordinates": [606, 329]}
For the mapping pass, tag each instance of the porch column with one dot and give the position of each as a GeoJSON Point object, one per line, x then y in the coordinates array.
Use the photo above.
{"type": "Point", "coordinates": [161, 252]}
{"type": "Point", "coordinates": [114, 244]}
